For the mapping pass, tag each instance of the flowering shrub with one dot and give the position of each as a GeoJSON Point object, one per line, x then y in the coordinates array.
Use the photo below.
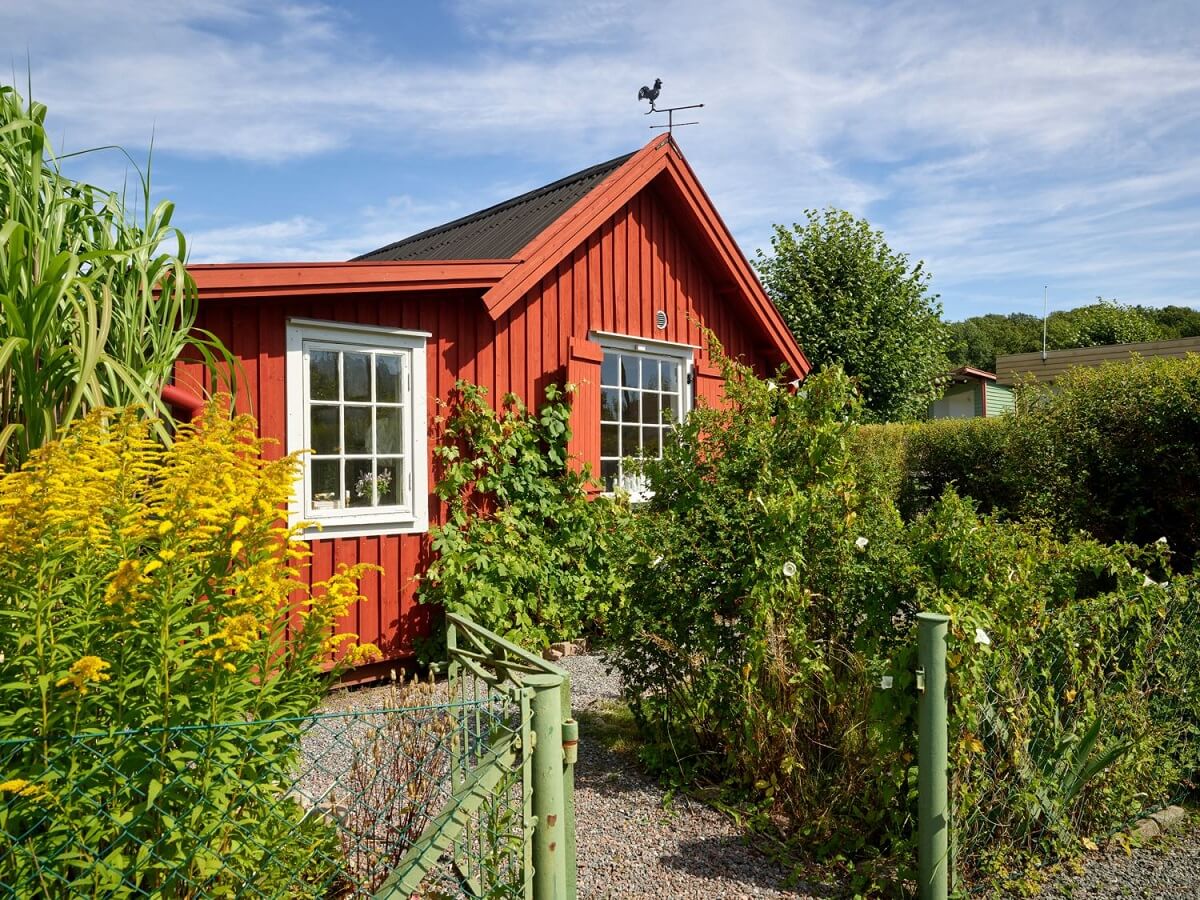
{"type": "Point", "coordinates": [1073, 667]}
{"type": "Point", "coordinates": [753, 629]}
{"type": "Point", "coordinates": [768, 643]}
{"type": "Point", "coordinates": [144, 589]}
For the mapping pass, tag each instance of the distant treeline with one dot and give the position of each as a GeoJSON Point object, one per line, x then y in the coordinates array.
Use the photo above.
{"type": "Point", "coordinates": [977, 341]}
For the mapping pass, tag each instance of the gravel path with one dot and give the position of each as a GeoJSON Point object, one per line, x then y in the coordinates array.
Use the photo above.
{"type": "Point", "coordinates": [630, 846]}
{"type": "Point", "coordinates": [1168, 869]}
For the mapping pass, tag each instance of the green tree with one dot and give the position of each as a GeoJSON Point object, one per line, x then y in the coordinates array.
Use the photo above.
{"type": "Point", "coordinates": [852, 300]}
{"type": "Point", "coordinates": [1102, 322]}
{"type": "Point", "coordinates": [977, 341]}
{"type": "Point", "coordinates": [1175, 321]}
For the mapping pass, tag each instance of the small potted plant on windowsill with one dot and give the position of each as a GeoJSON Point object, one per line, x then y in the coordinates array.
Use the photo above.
{"type": "Point", "coordinates": [371, 487]}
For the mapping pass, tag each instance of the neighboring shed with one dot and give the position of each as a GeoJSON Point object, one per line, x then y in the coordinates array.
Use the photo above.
{"type": "Point", "coordinates": [603, 279]}
{"type": "Point", "coordinates": [971, 393]}
{"type": "Point", "coordinates": [1049, 366]}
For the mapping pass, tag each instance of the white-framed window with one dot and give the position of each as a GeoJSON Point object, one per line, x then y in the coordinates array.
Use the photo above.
{"type": "Point", "coordinates": [644, 393]}
{"type": "Point", "coordinates": [356, 403]}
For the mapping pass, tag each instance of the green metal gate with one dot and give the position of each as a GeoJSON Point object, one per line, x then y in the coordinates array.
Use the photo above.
{"type": "Point", "coordinates": [508, 828]}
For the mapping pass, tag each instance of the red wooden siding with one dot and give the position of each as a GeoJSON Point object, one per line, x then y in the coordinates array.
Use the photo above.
{"type": "Point", "coordinates": [463, 344]}
{"type": "Point", "coordinates": [637, 262]}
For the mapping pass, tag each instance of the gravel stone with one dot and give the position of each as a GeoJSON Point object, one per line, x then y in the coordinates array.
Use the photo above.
{"type": "Point", "coordinates": [629, 845]}
{"type": "Point", "coordinates": [1167, 869]}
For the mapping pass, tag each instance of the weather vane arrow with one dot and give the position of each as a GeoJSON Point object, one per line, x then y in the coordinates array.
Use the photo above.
{"type": "Point", "coordinates": [651, 94]}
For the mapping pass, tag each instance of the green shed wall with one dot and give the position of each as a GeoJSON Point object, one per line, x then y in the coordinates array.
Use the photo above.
{"type": "Point", "coordinates": [999, 399]}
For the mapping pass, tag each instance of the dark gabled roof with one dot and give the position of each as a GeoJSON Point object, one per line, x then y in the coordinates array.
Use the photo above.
{"type": "Point", "coordinates": [499, 231]}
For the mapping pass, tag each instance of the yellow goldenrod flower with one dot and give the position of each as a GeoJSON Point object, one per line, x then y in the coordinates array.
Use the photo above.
{"type": "Point", "coordinates": [237, 633]}
{"type": "Point", "coordinates": [23, 788]}
{"type": "Point", "coordinates": [363, 653]}
{"type": "Point", "coordinates": [124, 583]}
{"type": "Point", "coordinates": [151, 566]}
{"type": "Point", "coordinates": [334, 641]}
{"type": "Point", "coordinates": [83, 671]}
{"type": "Point", "coordinates": [239, 524]}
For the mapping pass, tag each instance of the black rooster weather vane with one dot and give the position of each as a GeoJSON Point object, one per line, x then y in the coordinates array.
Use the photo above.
{"type": "Point", "coordinates": [651, 94]}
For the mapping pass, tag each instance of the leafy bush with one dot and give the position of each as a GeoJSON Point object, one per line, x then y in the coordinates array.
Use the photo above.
{"type": "Point", "coordinates": [146, 597]}
{"type": "Point", "coordinates": [1113, 450]}
{"type": "Point", "coordinates": [773, 587]}
{"type": "Point", "coordinates": [915, 463]}
{"type": "Point", "coordinates": [754, 630]}
{"type": "Point", "coordinates": [1073, 675]}
{"type": "Point", "coordinates": [522, 551]}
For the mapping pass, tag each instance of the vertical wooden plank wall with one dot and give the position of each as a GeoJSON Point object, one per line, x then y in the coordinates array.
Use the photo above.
{"type": "Point", "coordinates": [636, 263]}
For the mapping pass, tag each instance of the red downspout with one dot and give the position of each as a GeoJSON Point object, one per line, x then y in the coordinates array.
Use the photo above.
{"type": "Point", "coordinates": [183, 400]}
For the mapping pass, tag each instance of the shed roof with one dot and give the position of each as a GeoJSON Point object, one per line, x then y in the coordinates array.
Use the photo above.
{"type": "Point", "coordinates": [966, 372]}
{"type": "Point", "coordinates": [1057, 362]}
{"type": "Point", "coordinates": [499, 231]}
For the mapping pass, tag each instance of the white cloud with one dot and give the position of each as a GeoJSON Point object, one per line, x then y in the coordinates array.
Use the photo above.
{"type": "Point", "coordinates": [1044, 141]}
{"type": "Point", "coordinates": [306, 238]}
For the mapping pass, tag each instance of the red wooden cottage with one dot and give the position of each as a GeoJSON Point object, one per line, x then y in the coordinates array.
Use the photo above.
{"type": "Point", "coordinates": [599, 279]}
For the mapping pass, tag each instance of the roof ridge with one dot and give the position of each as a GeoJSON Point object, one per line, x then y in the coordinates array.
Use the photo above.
{"type": "Point", "coordinates": [496, 208]}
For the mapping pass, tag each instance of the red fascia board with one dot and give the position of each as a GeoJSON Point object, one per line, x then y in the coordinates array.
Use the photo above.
{"type": "Point", "coordinates": [659, 157]}
{"type": "Point", "coordinates": [974, 373]}
{"type": "Point", "coordinates": [721, 240]}
{"type": "Point", "coordinates": [249, 280]}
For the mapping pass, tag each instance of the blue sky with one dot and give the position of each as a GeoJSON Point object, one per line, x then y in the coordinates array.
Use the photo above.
{"type": "Point", "coordinates": [1007, 145]}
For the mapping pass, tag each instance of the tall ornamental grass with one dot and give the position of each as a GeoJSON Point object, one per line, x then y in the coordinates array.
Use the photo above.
{"type": "Point", "coordinates": [95, 307]}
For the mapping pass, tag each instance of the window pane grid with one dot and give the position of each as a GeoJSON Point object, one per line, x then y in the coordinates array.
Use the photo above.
{"type": "Point", "coordinates": [639, 394]}
{"type": "Point", "coordinates": [352, 467]}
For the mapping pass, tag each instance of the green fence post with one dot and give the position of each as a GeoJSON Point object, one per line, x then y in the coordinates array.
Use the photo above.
{"type": "Point", "coordinates": [933, 820]}
{"type": "Point", "coordinates": [570, 755]}
{"type": "Point", "coordinates": [549, 836]}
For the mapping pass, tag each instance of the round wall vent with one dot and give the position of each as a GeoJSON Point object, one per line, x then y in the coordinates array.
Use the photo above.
{"type": "Point", "coordinates": [660, 320]}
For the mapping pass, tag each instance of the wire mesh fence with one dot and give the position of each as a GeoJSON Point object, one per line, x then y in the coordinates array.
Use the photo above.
{"type": "Point", "coordinates": [539, 695]}
{"type": "Point", "coordinates": [438, 798]}
{"type": "Point", "coordinates": [1062, 737]}
{"type": "Point", "coordinates": [321, 806]}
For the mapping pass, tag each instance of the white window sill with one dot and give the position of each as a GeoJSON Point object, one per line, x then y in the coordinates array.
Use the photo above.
{"type": "Point", "coordinates": [330, 530]}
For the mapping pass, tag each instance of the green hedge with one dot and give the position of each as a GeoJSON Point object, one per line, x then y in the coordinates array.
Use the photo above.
{"type": "Point", "coordinates": [1113, 451]}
